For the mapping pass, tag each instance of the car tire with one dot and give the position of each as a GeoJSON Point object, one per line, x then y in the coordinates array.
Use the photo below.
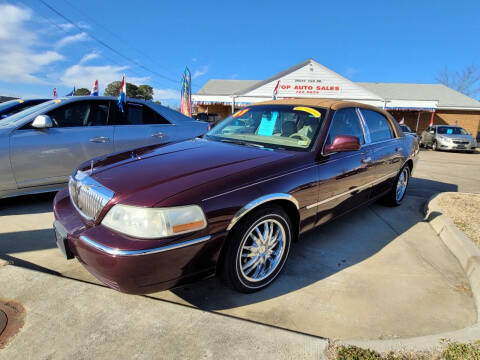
{"type": "Point", "coordinates": [399, 189]}
{"type": "Point", "coordinates": [434, 146]}
{"type": "Point", "coordinates": [420, 143]}
{"type": "Point", "coordinates": [250, 262]}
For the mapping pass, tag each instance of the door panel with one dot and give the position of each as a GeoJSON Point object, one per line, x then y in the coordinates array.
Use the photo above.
{"type": "Point", "coordinates": [344, 177]}
{"type": "Point", "coordinates": [388, 160]}
{"type": "Point", "coordinates": [41, 157]}
{"type": "Point", "coordinates": [140, 126]}
{"type": "Point", "coordinates": [344, 183]}
{"type": "Point", "coordinates": [48, 156]}
{"type": "Point", "coordinates": [385, 148]}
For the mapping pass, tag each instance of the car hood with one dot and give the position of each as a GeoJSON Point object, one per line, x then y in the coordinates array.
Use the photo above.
{"type": "Point", "coordinates": [459, 137]}
{"type": "Point", "coordinates": [146, 176]}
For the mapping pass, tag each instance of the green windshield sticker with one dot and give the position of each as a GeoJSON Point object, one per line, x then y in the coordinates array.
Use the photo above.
{"type": "Point", "coordinates": [268, 124]}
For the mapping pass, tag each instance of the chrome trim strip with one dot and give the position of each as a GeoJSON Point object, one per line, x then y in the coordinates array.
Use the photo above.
{"type": "Point", "coordinates": [259, 182]}
{"type": "Point", "coordinates": [118, 252]}
{"type": "Point", "coordinates": [351, 191]}
{"type": "Point", "coordinates": [257, 202]}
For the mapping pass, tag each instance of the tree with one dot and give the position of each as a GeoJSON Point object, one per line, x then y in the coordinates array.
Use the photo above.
{"type": "Point", "coordinates": [466, 81]}
{"type": "Point", "coordinates": [145, 92]}
{"type": "Point", "coordinates": [113, 89]}
{"type": "Point", "coordinates": [82, 92]}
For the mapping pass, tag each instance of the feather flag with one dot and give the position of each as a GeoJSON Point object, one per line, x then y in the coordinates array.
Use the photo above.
{"type": "Point", "coordinates": [186, 102]}
{"type": "Point", "coordinates": [402, 121]}
{"type": "Point", "coordinates": [123, 94]}
{"type": "Point", "coordinates": [431, 118]}
{"type": "Point", "coordinates": [275, 91]}
{"type": "Point", "coordinates": [95, 89]}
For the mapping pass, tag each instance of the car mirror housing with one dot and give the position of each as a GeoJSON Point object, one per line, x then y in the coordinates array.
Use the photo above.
{"type": "Point", "coordinates": [343, 143]}
{"type": "Point", "coordinates": [42, 122]}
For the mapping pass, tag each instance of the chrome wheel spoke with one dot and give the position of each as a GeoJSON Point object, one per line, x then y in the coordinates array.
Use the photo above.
{"type": "Point", "coordinates": [261, 250]}
{"type": "Point", "coordinates": [249, 266]}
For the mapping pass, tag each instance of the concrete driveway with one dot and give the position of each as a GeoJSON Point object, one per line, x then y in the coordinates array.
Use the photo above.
{"type": "Point", "coordinates": [378, 272]}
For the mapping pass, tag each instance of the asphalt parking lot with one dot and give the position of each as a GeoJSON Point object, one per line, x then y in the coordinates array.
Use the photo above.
{"type": "Point", "coordinates": [376, 273]}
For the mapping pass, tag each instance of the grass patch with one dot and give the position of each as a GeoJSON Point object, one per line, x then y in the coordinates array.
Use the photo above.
{"type": "Point", "coordinates": [453, 351]}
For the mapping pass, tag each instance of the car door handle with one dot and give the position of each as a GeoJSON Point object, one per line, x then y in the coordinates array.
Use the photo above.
{"type": "Point", "coordinates": [100, 139]}
{"type": "Point", "coordinates": [367, 160]}
{"type": "Point", "coordinates": [158, 134]}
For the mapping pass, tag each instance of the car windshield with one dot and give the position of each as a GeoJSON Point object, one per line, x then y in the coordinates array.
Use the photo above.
{"type": "Point", "coordinates": [405, 128]}
{"type": "Point", "coordinates": [11, 120]}
{"type": "Point", "coordinates": [451, 130]}
{"type": "Point", "coordinates": [273, 126]}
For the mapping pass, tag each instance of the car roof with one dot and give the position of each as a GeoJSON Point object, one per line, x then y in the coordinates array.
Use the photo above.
{"type": "Point", "coordinates": [325, 103]}
{"type": "Point", "coordinates": [89, 97]}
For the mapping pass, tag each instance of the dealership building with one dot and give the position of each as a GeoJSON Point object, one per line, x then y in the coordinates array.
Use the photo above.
{"type": "Point", "coordinates": [416, 103]}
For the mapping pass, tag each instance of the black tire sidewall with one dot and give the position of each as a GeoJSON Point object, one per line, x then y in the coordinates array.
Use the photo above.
{"type": "Point", "coordinates": [232, 262]}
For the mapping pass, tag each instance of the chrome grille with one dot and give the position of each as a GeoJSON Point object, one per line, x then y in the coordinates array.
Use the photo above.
{"type": "Point", "coordinates": [460, 142]}
{"type": "Point", "coordinates": [88, 196]}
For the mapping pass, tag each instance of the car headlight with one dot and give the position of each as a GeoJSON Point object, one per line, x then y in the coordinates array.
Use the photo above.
{"type": "Point", "coordinates": [151, 223]}
{"type": "Point", "coordinates": [444, 138]}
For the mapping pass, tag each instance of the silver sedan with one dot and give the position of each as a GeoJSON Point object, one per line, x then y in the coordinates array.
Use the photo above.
{"type": "Point", "coordinates": [40, 146]}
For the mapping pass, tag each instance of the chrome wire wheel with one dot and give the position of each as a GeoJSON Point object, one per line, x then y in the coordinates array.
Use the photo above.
{"type": "Point", "coordinates": [261, 250]}
{"type": "Point", "coordinates": [402, 183]}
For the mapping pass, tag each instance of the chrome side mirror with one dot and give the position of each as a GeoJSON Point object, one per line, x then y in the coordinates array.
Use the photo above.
{"type": "Point", "coordinates": [42, 122]}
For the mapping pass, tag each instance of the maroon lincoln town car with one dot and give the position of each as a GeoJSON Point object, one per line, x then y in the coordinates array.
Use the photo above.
{"type": "Point", "coordinates": [233, 201]}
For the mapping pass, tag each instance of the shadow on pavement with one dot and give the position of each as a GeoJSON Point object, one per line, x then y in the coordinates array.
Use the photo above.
{"type": "Point", "coordinates": [27, 204]}
{"type": "Point", "coordinates": [325, 251]}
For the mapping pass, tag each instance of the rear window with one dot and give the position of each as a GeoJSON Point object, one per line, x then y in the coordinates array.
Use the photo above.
{"type": "Point", "coordinates": [451, 130]}
{"type": "Point", "coordinates": [378, 125]}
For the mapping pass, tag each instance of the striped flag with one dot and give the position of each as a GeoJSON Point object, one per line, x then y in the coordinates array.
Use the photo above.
{"type": "Point", "coordinates": [402, 121]}
{"type": "Point", "coordinates": [123, 94]}
{"type": "Point", "coordinates": [54, 92]}
{"type": "Point", "coordinates": [95, 89]}
{"type": "Point", "coordinates": [275, 91]}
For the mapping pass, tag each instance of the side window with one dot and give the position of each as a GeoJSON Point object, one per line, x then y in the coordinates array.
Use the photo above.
{"type": "Point", "coordinates": [99, 115]}
{"type": "Point", "coordinates": [134, 114]}
{"type": "Point", "coordinates": [378, 125]}
{"type": "Point", "coordinates": [150, 116]}
{"type": "Point", "coordinates": [71, 115]}
{"type": "Point", "coordinates": [345, 122]}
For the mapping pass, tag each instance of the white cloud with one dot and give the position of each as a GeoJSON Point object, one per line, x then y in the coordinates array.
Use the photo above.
{"type": "Point", "coordinates": [194, 59]}
{"type": "Point", "coordinates": [20, 60]}
{"type": "Point", "coordinates": [71, 39]}
{"type": "Point", "coordinates": [166, 94]}
{"type": "Point", "coordinates": [89, 57]}
{"type": "Point", "coordinates": [200, 72]}
{"type": "Point", "coordinates": [82, 75]}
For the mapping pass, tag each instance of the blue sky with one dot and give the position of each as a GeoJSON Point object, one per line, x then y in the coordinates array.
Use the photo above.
{"type": "Point", "coordinates": [402, 41]}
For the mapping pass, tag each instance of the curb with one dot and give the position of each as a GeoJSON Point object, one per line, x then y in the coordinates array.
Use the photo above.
{"type": "Point", "coordinates": [468, 256]}
{"type": "Point", "coordinates": [458, 243]}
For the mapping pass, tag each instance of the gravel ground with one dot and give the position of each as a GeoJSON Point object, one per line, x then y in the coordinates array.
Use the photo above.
{"type": "Point", "coordinates": [464, 210]}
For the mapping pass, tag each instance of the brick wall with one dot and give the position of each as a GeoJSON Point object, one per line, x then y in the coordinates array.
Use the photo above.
{"type": "Point", "coordinates": [469, 120]}
{"type": "Point", "coordinates": [222, 110]}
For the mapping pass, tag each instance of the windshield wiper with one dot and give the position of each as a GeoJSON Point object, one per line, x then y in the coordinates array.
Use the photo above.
{"type": "Point", "coordinates": [242, 142]}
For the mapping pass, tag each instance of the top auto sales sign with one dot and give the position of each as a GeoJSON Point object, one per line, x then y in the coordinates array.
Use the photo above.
{"type": "Point", "coordinates": [307, 87]}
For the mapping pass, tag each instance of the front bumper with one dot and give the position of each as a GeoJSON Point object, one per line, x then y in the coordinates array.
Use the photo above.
{"type": "Point", "coordinates": [135, 266]}
{"type": "Point", "coordinates": [443, 145]}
